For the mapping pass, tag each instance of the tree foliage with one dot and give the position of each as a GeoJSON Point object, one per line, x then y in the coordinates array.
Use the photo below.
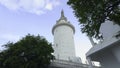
{"type": "Point", "coordinates": [92, 13]}
{"type": "Point", "coordinates": [29, 52]}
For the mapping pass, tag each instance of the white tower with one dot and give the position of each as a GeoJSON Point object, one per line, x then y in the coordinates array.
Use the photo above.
{"type": "Point", "coordinates": [63, 33]}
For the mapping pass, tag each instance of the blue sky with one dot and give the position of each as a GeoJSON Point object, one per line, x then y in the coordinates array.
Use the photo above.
{"type": "Point", "coordinates": [20, 17]}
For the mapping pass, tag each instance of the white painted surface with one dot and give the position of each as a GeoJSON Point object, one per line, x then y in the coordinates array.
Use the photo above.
{"type": "Point", "coordinates": [64, 43]}
{"type": "Point", "coordinates": [63, 32]}
{"type": "Point", "coordinates": [108, 60]}
{"type": "Point", "coordinates": [116, 52]}
{"type": "Point", "coordinates": [67, 64]}
{"type": "Point", "coordinates": [109, 30]}
{"type": "Point", "coordinates": [109, 56]}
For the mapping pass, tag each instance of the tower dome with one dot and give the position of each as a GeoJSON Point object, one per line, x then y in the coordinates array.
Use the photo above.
{"type": "Point", "coordinates": [63, 21]}
{"type": "Point", "coordinates": [63, 33]}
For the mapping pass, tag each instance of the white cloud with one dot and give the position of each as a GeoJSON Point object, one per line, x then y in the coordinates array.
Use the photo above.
{"type": "Point", "coordinates": [11, 4]}
{"type": "Point", "coordinates": [5, 38]}
{"type": "Point", "coordinates": [52, 3]}
{"type": "Point", "coordinates": [10, 37]}
{"type": "Point", "coordinates": [49, 6]}
{"type": "Point", "coordinates": [32, 6]}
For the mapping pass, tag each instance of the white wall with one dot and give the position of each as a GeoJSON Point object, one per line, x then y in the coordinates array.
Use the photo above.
{"type": "Point", "coordinates": [111, 59]}
{"type": "Point", "coordinates": [109, 30]}
{"type": "Point", "coordinates": [64, 42]}
{"type": "Point", "coordinates": [109, 50]}
{"type": "Point", "coordinates": [108, 60]}
{"type": "Point", "coordinates": [116, 52]}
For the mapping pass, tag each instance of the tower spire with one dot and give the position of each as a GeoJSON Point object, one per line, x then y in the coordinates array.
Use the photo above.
{"type": "Point", "coordinates": [62, 16]}
{"type": "Point", "coordinates": [62, 13]}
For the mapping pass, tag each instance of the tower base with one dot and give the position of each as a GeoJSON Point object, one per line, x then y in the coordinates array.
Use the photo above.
{"type": "Point", "coordinates": [67, 64]}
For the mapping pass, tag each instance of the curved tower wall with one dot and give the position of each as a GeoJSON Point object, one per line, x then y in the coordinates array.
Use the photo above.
{"type": "Point", "coordinates": [64, 43]}
{"type": "Point", "coordinates": [63, 32]}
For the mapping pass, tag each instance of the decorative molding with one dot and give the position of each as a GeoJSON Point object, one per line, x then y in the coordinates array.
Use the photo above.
{"type": "Point", "coordinates": [61, 24]}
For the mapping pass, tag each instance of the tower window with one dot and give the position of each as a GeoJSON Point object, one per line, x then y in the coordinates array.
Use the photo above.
{"type": "Point", "coordinates": [69, 59]}
{"type": "Point", "coordinates": [58, 56]}
{"type": "Point", "coordinates": [56, 45]}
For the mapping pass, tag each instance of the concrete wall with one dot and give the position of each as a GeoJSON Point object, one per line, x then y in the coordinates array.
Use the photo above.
{"type": "Point", "coordinates": [64, 43]}
{"type": "Point", "coordinates": [108, 60]}
{"type": "Point", "coordinates": [67, 64]}
{"type": "Point", "coordinates": [109, 30]}
{"type": "Point", "coordinates": [109, 50]}
{"type": "Point", "coordinates": [116, 52]}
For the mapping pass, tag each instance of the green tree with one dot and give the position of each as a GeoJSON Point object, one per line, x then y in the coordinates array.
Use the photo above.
{"type": "Point", "coordinates": [29, 52]}
{"type": "Point", "coordinates": [92, 13]}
